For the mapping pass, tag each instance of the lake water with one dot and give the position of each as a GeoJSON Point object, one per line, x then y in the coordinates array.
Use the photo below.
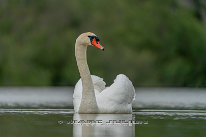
{"type": "Point", "coordinates": [47, 112]}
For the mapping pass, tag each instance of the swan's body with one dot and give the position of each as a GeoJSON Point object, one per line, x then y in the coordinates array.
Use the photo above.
{"type": "Point", "coordinates": [90, 93]}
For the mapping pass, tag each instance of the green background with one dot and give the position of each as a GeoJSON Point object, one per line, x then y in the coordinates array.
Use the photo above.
{"type": "Point", "coordinates": [155, 43]}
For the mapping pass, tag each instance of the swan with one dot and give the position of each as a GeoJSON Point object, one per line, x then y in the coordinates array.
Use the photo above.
{"type": "Point", "coordinates": [90, 94]}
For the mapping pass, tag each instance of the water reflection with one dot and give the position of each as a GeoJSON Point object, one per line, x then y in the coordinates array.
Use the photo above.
{"type": "Point", "coordinates": [103, 125]}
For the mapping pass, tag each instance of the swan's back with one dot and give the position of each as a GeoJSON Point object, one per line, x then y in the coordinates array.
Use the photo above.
{"type": "Point", "coordinates": [117, 98]}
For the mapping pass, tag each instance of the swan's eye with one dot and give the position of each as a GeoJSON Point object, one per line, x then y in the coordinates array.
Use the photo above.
{"type": "Point", "coordinates": [93, 37]}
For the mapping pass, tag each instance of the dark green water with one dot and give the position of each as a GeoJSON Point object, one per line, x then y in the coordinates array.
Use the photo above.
{"type": "Point", "coordinates": [57, 123]}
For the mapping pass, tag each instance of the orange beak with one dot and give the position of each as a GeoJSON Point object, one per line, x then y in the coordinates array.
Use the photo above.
{"type": "Point", "coordinates": [96, 44]}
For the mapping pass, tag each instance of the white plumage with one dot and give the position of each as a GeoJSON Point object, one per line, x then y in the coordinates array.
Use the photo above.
{"type": "Point", "coordinates": [90, 93]}
{"type": "Point", "coordinates": [117, 98]}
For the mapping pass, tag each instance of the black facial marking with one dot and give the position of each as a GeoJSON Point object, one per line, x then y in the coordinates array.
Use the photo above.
{"type": "Point", "coordinates": [92, 37]}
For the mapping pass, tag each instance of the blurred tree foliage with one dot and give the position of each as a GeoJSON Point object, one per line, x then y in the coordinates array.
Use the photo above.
{"type": "Point", "coordinates": [155, 43]}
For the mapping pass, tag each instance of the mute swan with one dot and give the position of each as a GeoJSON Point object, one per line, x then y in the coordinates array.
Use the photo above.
{"type": "Point", "coordinates": [90, 94]}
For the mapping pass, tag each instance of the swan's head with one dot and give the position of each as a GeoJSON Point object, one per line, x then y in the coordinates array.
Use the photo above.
{"type": "Point", "coordinates": [89, 38]}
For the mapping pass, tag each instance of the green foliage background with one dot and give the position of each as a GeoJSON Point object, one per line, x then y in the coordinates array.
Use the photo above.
{"type": "Point", "coordinates": [155, 43]}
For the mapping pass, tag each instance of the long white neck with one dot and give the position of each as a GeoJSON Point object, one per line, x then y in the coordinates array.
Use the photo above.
{"type": "Point", "coordinates": [88, 102]}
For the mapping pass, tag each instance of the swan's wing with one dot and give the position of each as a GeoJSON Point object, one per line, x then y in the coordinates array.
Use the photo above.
{"type": "Point", "coordinates": [120, 93]}
{"type": "Point", "coordinates": [98, 83]}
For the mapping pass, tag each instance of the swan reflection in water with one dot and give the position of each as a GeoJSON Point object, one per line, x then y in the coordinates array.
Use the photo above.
{"type": "Point", "coordinates": [100, 125]}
